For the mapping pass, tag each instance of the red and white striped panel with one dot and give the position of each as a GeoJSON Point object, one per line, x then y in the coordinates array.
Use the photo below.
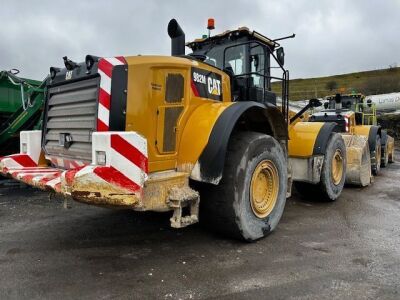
{"type": "Point", "coordinates": [38, 178]}
{"type": "Point", "coordinates": [65, 163]}
{"type": "Point", "coordinates": [42, 181]}
{"type": "Point", "coordinates": [30, 151]}
{"type": "Point", "coordinates": [126, 160]}
{"type": "Point", "coordinates": [105, 68]}
{"type": "Point", "coordinates": [16, 161]}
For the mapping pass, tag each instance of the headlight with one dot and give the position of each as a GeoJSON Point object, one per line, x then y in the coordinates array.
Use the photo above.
{"type": "Point", "coordinates": [89, 63]}
{"type": "Point", "coordinates": [53, 72]}
{"type": "Point", "coordinates": [90, 60]}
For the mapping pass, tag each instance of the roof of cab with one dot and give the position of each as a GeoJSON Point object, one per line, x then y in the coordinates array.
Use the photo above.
{"type": "Point", "coordinates": [355, 95]}
{"type": "Point", "coordinates": [241, 31]}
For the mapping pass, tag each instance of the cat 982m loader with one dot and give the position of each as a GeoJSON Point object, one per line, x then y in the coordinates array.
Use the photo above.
{"type": "Point", "coordinates": [162, 132]}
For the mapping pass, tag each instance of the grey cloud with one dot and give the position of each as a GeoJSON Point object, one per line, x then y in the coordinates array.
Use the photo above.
{"type": "Point", "coordinates": [332, 36]}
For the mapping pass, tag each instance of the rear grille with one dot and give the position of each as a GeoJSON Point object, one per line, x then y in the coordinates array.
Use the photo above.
{"type": "Point", "coordinates": [72, 110]}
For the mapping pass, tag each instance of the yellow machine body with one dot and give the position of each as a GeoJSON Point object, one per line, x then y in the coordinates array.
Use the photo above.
{"type": "Point", "coordinates": [306, 156]}
{"type": "Point", "coordinates": [302, 137]}
{"type": "Point", "coordinates": [357, 149]}
{"type": "Point", "coordinates": [191, 118]}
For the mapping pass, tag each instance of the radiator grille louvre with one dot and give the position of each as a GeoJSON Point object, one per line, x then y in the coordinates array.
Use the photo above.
{"type": "Point", "coordinates": [72, 109]}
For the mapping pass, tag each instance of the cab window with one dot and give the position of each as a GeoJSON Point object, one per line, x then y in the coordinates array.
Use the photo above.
{"type": "Point", "coordinates": [235, 60]}
{"type": "Point", "coordinates": [257, 65]}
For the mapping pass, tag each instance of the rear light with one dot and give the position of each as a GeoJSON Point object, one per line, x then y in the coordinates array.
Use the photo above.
{"type": "Point", "coordinates": [101, 158]}
{"type": "Point", "coordinates": [90, 60]}
{"type": "Point", "coordinates": [53, 72]}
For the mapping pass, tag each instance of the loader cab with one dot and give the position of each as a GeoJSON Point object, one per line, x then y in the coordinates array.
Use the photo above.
{"type": "Point", "coordinates": [348, 101]}
{"type": "Point", "coordinates": [246, 57]}
{"type": "Point", "coordinates": [345, 110]}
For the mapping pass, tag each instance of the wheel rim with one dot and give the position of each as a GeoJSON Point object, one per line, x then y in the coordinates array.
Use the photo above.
{"type": "Point", "coordinates": [264, 188]}
{"type": "Point", "coordinates": [337, 167]}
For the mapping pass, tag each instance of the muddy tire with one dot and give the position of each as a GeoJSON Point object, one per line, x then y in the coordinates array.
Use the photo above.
{"type": "Point", "coordinates": [385, 155]}
{"type": "Point", "coordinates": [376, 154]}
{"type": "Point", "coordinates": [333, 173]}
{"type": "Point", "coordinates": [249, 201]}
{"type": "Point", "coordinates": [391, 155]}
{"type": "Point", "coordinates": [384, 149]}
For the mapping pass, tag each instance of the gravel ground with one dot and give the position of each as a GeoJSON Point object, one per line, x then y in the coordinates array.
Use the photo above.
{"type": "Point", "coordinates": [349, 249]}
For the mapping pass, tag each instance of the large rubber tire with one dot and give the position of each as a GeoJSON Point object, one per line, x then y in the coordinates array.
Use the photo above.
{"type": "Point", "coordinates": [384, 149]}
{"type": "Point", "coordinates": [385, 155]}
{"type": "Point", "coordinates": [327, 189]}
{"type": "Point", "coordinates": [226, 208]}
{"type": "Point", "coordinates": [391, 155]}
{"type": "Point", "coordinates": [376, 165]}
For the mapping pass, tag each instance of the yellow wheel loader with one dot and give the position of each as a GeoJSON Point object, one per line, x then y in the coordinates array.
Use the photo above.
{"type": "Point", "coordinates": [365, 115]}
{"type": "Point", "coordinates": [317, 156]}
{"type": "Point", "coordinates": [368, 146]}
{"type": "Point", "coordinates": [162, 132]}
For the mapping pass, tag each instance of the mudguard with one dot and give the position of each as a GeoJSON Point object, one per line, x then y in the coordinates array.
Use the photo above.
{"type": "Point", "coordinates": [323, 137]}
{"type": "Point", "coordinates": [210, 165]}
{"type": "Point", "coordinates": [307, 147]}
{"type": "Point", "coordinates": [384, 138]}
{"type": "Point", "coordinates": [308, 139]}
{"type": "Point", "coordinates": [374, 130]}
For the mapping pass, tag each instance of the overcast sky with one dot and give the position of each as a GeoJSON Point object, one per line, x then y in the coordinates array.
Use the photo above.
{"type": "Point", "coordinates": [332, 37]}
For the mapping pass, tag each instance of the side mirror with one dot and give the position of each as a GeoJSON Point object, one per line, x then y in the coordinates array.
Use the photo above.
{"type": "Point", "coordinates": [369, 102]}
{"type": "Point", "coordinates": [326, 105]}
{"type": "Point", "coordinates": [280, 55]}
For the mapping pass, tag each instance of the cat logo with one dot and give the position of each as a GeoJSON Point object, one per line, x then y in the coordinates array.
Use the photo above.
{"type": "Point", "coordinates": [214, 86]}
{"type": "Point", "coordinates": [206, 84]}
{"type": "Point", "coordinates": [68, 75]}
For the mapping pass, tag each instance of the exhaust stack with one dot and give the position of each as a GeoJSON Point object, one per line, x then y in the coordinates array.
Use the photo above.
{"type": "Point", "coordinates": [177, 36]}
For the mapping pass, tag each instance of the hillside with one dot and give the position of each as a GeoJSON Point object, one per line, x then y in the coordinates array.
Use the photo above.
{"type": "Point", "coordinates": [368, 82]}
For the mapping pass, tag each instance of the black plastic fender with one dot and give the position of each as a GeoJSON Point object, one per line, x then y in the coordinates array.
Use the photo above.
{"type": "Point", "coordinates": [212, 159]}
{"type": "Point", "coordinates": [372, 137]}
{"type": "Point", "coordinates": [323, 136]}
{"type": "Point", "coordinates": [384, 137]}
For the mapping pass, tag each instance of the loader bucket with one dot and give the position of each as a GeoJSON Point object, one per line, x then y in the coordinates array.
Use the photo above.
{"type": "Point", "coordinates": [390, 142]}
{"type": "Point", "coordinates": [358, 160]}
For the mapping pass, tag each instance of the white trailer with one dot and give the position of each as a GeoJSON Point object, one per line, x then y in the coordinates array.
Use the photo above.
{"type": "Point", "coordinates": [385, 103]}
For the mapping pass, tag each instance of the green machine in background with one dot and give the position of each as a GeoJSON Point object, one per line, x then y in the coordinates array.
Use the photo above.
{"type": "Point", "coordinates": [21, 107]}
